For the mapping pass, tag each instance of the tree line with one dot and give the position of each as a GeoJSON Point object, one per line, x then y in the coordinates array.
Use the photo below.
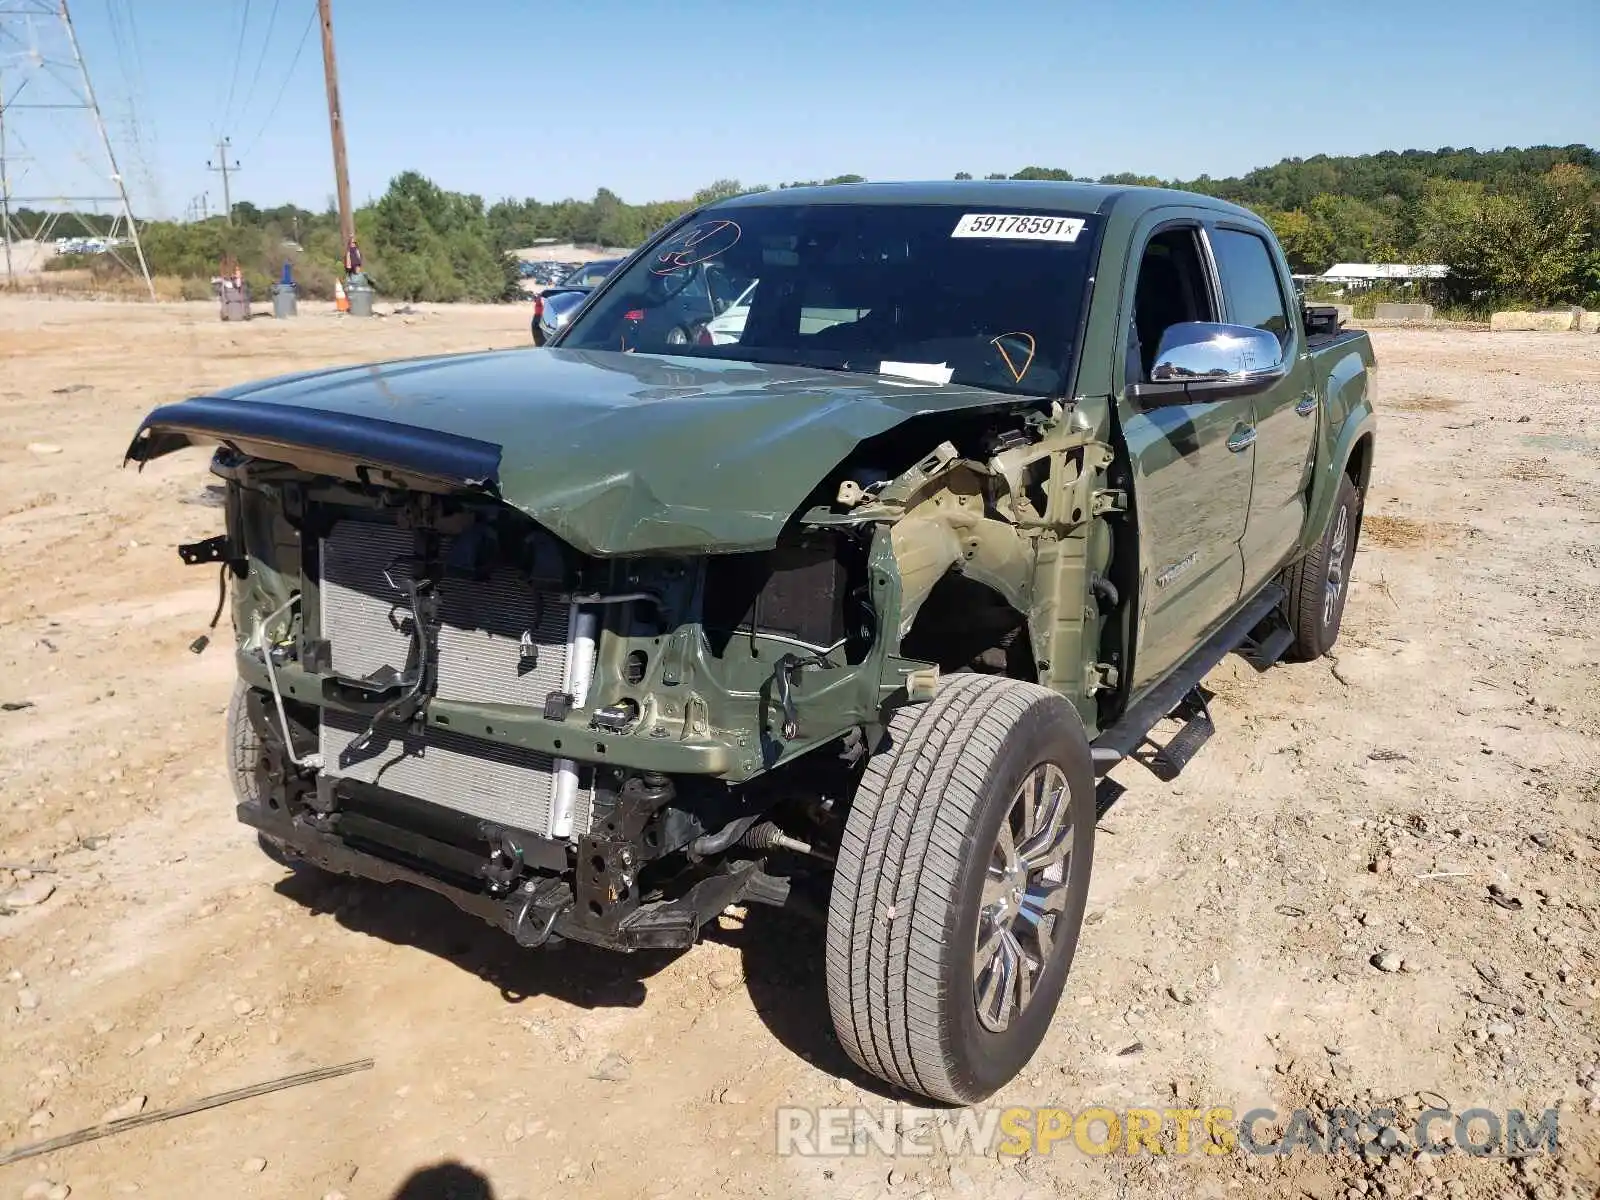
{"type": "Point", "coordinates": [1517, 225]}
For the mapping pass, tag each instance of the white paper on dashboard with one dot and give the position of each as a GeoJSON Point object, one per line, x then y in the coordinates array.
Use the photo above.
{"type": "Point", "coordinates": [922, 372]}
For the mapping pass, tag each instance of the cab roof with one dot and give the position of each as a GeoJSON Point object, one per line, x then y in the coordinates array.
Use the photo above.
{"type": "Point", "coordinates": [1076, 199]}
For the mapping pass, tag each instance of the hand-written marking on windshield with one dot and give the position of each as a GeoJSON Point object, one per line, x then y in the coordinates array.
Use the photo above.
{"type": "Point", "coordinates": [695, 245]}
{"type": "Point", "coordinates": [999, 344]}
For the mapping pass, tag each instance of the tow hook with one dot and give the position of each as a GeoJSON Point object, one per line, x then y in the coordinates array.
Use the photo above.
{"type": "Point", "coordinates": [535, 915]}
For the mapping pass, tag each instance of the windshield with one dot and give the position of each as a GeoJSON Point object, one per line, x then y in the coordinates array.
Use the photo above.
{"type": "Point", "coordinates": [929, 292]}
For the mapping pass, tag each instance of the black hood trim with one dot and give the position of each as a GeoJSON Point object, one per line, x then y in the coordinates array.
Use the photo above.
{"type": "Point", "coordinates": [257, 426]}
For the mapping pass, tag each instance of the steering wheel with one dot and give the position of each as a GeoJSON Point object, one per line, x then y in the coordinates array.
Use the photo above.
{"type": "Point", "coordinates": [659, 287]}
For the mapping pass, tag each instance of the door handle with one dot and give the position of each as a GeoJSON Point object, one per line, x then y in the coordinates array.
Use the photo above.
{"type": "Point", "coordinates": [1307, 405]}
{"type": "Point", "coordinates": [1242, 438]}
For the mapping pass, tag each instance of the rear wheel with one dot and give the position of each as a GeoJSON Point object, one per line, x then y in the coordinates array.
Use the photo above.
{"type": "Point", "coordinates": [960, 888]}
{"type": "Point", "coordinates": [1319, 583]}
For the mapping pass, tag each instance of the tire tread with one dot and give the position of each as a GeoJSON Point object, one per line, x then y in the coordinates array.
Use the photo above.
{"type": "Point", "coordinates": [901, 852]}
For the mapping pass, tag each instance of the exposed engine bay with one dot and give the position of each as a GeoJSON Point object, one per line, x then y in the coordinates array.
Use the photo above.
{"type": "Point", "coordinates": [436, 689]}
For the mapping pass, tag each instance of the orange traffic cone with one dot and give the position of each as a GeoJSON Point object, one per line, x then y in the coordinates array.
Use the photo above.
{"type": "Point", "coordinates": [341, 302]}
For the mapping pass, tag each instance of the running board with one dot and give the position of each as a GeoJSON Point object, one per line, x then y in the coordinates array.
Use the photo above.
{"type": "Point", "coordinates": [1168, 762]}
{"type": "Point", "coordinates": [1270, 649]}
{"type": "Point", "coordinates": [1116, 743]}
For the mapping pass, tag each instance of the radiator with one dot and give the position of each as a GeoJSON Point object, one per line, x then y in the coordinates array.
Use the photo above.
{"type": "Point", "coordinates": [500, 641]}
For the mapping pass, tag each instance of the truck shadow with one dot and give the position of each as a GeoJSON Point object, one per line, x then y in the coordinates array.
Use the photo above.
{"type": "Point", "coordinates": [782, 960]}
{"type": "Point", "coordinates": [580, 975]}
{"type": "Point", "coordinates": [784, 970]}
{"type": "Point", "coordinates": [445, 1181]}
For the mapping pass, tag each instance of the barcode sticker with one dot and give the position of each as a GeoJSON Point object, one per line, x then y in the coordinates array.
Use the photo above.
{"type": "Point", "coordinates": [1018, 227]}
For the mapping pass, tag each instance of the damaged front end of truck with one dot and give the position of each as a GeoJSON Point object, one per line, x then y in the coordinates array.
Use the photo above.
{"type": "Point", "coordinates": [596, 668]}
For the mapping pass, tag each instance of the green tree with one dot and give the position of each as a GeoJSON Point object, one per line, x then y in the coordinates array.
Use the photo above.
{"type": "Point", "coordinates": [1534, 246]}
{"type": "Point", "coordinates": [1055, 173]}
{"type": "Point", "coordinates": [1358, 230]}
{"type": "Point", "coordinates": [720, 190]}
{"type": "Point", "coordinates": [1307, 242]}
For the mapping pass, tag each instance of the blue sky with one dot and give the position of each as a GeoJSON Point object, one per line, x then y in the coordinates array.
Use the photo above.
{"type": "Point", "coordinates": [652, 99]}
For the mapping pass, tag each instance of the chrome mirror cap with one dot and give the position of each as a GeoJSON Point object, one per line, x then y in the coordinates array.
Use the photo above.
{"type": "Point", "coordinates": [1202, 350]}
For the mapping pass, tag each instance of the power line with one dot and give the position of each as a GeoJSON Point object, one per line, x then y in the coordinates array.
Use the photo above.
{"type": "Point", "coordinates": [283, 88]}
{"type": "Point", "coordinates": [130, 62]}
{"type": "Point", "coordinates": [238, 59]}
{"type": "Point", "coordinates": [261, 59]}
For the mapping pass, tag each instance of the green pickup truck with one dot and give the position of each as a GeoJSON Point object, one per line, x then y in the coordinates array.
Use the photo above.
{"type": "Point", "coordinates": [848, 604]}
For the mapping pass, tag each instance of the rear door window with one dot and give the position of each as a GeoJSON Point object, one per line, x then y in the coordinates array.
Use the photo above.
{"type": "Point", "coordinates": [1250, 282]}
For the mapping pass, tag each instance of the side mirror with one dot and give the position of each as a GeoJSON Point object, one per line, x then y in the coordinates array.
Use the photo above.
{"type": "Point", "coordinates": [1199, 360]}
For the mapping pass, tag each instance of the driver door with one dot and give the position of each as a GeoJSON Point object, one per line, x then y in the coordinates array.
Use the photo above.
{"type": "Point", "coordinates": [1192, 463]}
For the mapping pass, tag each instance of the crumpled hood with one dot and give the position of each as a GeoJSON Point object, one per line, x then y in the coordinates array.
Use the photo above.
{"type": "Point", "coordinates": [615, 453]}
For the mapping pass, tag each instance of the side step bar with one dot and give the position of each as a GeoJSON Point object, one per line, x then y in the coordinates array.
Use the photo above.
{"type": "Point", "coordinates": [1270, 649]}
{"type": "Point", "coordinates": [1116, 743]}
{"type": "Point", "coordinates": [1169, 761]}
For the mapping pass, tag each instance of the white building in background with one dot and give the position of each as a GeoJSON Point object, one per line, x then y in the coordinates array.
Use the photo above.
{"type": "Point", "coordinates": [1362, 275]}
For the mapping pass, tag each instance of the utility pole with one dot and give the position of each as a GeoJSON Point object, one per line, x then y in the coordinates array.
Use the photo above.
{"type": "Point", "coordinates": [223, 147]}
{"type": "Point", "coordinates": [341, 167]}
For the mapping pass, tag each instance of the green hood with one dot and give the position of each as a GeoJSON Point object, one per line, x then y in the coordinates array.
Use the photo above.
{"type": "Point", "coordinates": [615, 453]}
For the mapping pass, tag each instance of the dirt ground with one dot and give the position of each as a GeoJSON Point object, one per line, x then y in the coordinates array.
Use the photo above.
{"type": "Point", "coordinates": [1431, 792]}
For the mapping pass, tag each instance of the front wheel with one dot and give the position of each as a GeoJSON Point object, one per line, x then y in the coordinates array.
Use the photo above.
{"type": "Point", "coordinates": [1319, 584]}
{"type": "Point", "coordinates": [246, 757]}
{"type": "Point", "coordinates": [960, 888]}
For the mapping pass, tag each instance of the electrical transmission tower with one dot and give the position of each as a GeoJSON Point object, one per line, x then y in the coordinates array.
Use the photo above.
{"type": "Point", "coordinates": [58, 172]}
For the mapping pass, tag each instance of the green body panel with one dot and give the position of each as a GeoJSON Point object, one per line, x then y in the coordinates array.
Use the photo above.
{"type": "Point", "coordinates": [1346, 378]}
{"type": "Point", "coordinates": [1286, 442]}
{"type": "Point", "coordinates": [633, 453]}
{"type": "Point", "coordinates": [1191, 493]}
{"type": "Point", "coordinates": [1214, 525]}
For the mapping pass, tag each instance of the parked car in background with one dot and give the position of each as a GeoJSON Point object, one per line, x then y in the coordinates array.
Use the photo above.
{"type": "Point", "coordinates": [695, 298]}
{"type": "Point", "coordinates": [678, 310]}
{"type": "Point", "coordinates": [556, 304]}
{"type": "Point", "coordinates": [589, 274]}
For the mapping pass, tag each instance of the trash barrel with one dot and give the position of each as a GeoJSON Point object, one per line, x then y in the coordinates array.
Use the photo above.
{"type": "Point", "coordinates": [360, 293]}
{"type": "Point", "coordinates": [284, 301]}
{"type": "Point", "coordinates": [235, 302]}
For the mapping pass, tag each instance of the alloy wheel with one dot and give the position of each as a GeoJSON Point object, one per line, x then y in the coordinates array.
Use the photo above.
{"type": "Point", "coordinates": [1024, 891]}
{"type": "Point", "coordinates": [1337, 548]}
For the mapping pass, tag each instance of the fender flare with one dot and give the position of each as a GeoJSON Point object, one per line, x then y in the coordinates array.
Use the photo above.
{"type": "Point", "coordinates": [1327, 473]}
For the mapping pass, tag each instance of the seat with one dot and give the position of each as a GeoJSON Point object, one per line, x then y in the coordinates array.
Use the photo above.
{"type": "Point", "coordinates": [1159, 302]}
